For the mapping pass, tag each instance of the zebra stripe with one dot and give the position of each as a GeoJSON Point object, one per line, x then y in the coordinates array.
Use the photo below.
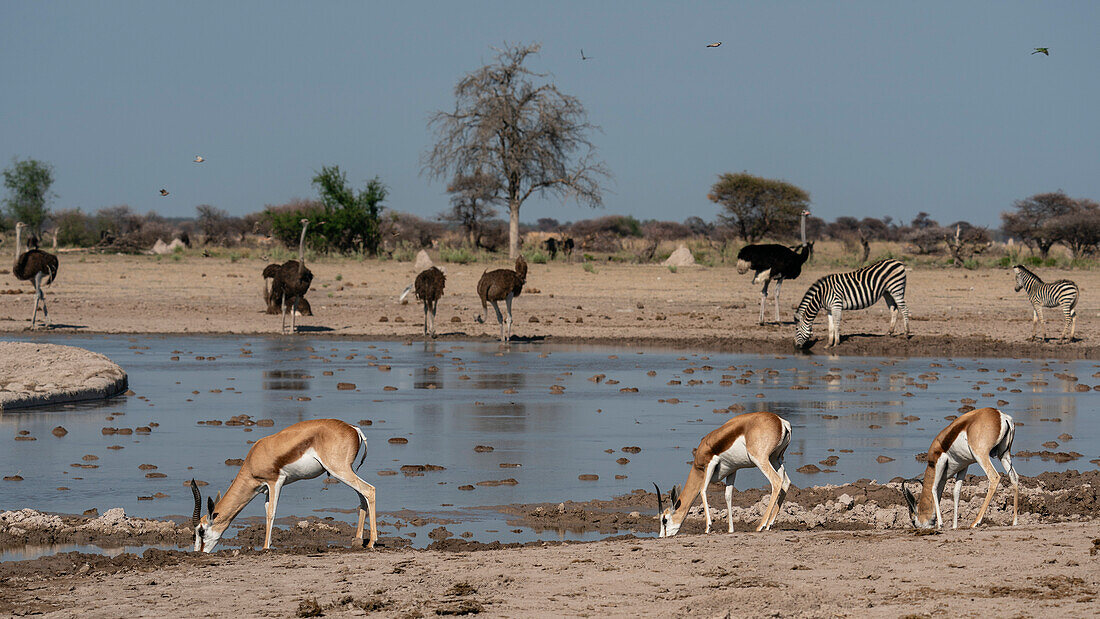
{"type": "Point", "coordinates": [858, 289]}
{"type": "Point", "coordinates": [1062, 293]}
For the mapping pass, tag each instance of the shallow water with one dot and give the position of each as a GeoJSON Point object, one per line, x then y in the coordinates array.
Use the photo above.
{"type": "Point", "coordinates": [451, 397]}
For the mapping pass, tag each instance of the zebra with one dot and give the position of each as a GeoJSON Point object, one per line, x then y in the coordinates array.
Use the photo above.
{"type": "Point", "coordinates": [856, 290]}
{"type": "Point", "coordinates": [1062, 293]}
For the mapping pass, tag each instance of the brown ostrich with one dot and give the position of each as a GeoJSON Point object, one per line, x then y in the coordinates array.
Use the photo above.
{"type": "Point", "coordinates": [34, 264]}
{"type": "Point", "coordinates": [501, 285]}
{"type": "Point", "coordinates": [274, 300]}
{"type": "Point", "coordinates": [429, 288]}
{"type": "Point", "coordinates": [289, 282]}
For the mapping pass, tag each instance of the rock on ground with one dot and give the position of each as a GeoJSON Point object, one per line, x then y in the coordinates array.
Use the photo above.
{"type": "Point", "coordinates": [33, 374]}
{"type": "Point", "coordinates": [423, 261]}
{"type": "Point", "coordinates": [682, 257]}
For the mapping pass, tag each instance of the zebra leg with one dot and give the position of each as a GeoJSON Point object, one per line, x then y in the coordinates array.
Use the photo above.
{"type": "Point", "coordinates": [1041, 325]}
{"type": "Point", "coordinates": [836, 324]}
{"type": "Point", "coordinates": [892, 304]}
{"type": "Point", "coordinates": [1065, 326]}
{"type": "Point", "coordinates": [1034, 323]}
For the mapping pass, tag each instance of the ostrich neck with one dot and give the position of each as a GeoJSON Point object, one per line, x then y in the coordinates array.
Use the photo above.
{"type": "Point", "coordinates": [803, 229]}
{"type": "Point", "coordinates": [18, 231]}
{"type": "Point", "coordinates": [302, 249]}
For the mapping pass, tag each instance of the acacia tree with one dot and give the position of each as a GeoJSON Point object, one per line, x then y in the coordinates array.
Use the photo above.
{"type": "Point", "coordinates": [28, 183]}
{"type": "Point", "coordinates": [1032, 219]}
{"type": "Point", "coordinates": [757, 206]}
{"type": "Point", "coordinates": [471, 198]}
{"type": "Point", "coordinates": [1079, 230]}
{"type": "Point", "coordinates": [532, 138]}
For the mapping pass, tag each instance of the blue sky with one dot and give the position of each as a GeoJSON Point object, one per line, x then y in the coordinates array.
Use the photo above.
{"type": "Point", "coordinates": [875, 108]}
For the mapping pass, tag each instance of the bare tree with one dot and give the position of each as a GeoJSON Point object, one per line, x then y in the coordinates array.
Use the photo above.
{"type": "Point", "coordinates": [471, 198]}
{"type": "Point", "coordinates": [532, 138]}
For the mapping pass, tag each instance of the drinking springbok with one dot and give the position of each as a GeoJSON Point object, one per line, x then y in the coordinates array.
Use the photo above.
{"type": "Point", "coordinates": [752, 439]}
{"type": "Point", "coordinates": [301, 451]}
{"type": "Point", "coordinates": [974, 437]}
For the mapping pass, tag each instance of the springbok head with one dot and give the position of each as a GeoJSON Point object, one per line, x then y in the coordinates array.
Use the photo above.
{"type": "Point", "coordinates": [668, 527]}
{"type": "Point", "coordinates": [914, 509]}
{"type": "Point", "coordinates": [206, 536]}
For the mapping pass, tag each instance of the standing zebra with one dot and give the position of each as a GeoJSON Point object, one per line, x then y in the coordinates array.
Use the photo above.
{"type": "Point", "coordinates": [1062, 293]}
{"type": "Point", "coordinates": [859, 289]}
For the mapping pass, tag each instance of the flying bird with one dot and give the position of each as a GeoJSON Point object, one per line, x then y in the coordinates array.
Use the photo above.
{"type": "Point", "coordinates": [1041, 50]}
{"type": "Point", "coordinates": [163, 192]}
{"type": "Point", "coordinates": [199, 159]}
{"type": "Point", "coordinates": [583, 57]}
{"type": "Point", "coordinates": [714, 44]}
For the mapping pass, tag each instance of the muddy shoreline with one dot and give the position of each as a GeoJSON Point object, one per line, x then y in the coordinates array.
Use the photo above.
{"type": "Point", "coordinates": [862, 505]}
{"type": "Point", "coordinates": [862, 525]}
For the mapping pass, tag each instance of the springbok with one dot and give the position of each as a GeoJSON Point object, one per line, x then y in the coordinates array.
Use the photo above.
{"type": "Point", "coordinates": [752, 439]}
{"type": "Point", "coordinates": [973, 437]}
{"type": "Point", "coordinates": [301, 451]}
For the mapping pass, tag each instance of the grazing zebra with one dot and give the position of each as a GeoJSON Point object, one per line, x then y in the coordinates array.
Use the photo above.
{"type": "Point", "coordinates": [859, 289]}
{"type": "Point", "coordinates": [1062, 293]}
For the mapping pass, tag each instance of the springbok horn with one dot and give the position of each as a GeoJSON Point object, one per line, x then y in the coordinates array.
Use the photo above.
{"type": "Point", "coordinates": [660, 506]}
{"type": "Point", "coordinates": [198, 504]}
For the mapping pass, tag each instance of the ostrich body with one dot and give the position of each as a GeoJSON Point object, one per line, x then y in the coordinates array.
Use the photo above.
{"type": "Point", "coordinates": [772, 263]}
{"type": "Point", "coordinates": [34, 265]}
{"type": "Point", "coordinates": [289, 282]}
{"type": "Point", "coordinates": [429, 288]}
{"type": "Point", "coordinates": [501, 285]}
{"type": "Point", "coordinates": [273, 296]}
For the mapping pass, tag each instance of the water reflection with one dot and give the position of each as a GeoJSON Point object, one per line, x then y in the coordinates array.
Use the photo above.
{"type": "Point", "coordinates": [286, 380]}
{"type": "Point", "coordinates": [544, 438]}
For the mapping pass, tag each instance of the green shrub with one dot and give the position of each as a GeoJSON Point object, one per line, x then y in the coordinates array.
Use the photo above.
{"type": "Point", "coordinates": [536, 257]}
{"type": "Point", "coordinates": [460, 255]}
{"type": "Point", "coordinates": [588, 266]}
{"type": "Point", "coordinates": [672, 268]}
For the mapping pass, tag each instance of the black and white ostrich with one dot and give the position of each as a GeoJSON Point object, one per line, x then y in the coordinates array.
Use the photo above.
{"type": "Point", "coordinates": [501, 285]}
{"type": "Point", "coordinates": [289, 282]}
{"type": "Point", "coordinates": [429, 288]}
{"type": "Point", "coordinates": [772, 262]}
{"type": "Point", "coordinates": [37, 265]}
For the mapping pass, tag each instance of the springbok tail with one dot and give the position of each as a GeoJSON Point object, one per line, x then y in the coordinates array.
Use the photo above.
{"type": "Point", "coordinates": [363, 439]}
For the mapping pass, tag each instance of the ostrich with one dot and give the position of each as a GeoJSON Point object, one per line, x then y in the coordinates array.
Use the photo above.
{"type": "Point", "coordinates": [289, 281]}
{"type": "Point", "coordinates": [429, 288]}
{"type": "Point", "coordinates": [274, 299]}
{"type": "Point", "coordinates": [772, 262]}
{"type": "Point", "coordinates": [501, 285]}
{"type": "Point", "coordinates": [34, 264]}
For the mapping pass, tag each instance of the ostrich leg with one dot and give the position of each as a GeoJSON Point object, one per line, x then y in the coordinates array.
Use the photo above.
{"type": "Point", "coordinates": [435, 306]}
{"type": "Point", "coordinates": [508, 303]}
{"type": "Point", "coordinates": [500, 319]}
{"type": "Point", "coordinates": [778, 283]}
{"type": "Point", "coordinates": [42, 296]}
{"type": "Point", "coordinates": [293, 315]}
{"type": "Point", "coordinates": [763, 299]}
{"type": "Point", "coordinates": [426, 317]}
{"type": "Point", "coordinates": [284, 305]}
{"type": "Point", "coordinates": [37, 296]}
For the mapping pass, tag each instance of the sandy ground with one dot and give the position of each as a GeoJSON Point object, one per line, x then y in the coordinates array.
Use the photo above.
{"type": "Point", "coordinates": [1049, 565]}
{"type": "Point", "coordinates": [1026, 571]}
{"type": "Point", "coordinates": [954, 311]}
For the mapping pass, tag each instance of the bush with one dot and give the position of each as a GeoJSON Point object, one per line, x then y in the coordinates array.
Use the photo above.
{"type": "Point", "coordinates": [343, 220]}
{"type": "Point", "coordinates": [536, 257]}
{"type": "Point", "coordinates": [460, 255]}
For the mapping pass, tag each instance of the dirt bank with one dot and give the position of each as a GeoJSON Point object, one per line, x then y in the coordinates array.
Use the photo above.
{"type": "Point", "coordinates": [1030, 570]}
{"type": "Point", "coordinates": [820, 531]}
{"type": "Point", "coordinates": [34, 374]}
{"type": "Point", "coordinates": [954, 312]}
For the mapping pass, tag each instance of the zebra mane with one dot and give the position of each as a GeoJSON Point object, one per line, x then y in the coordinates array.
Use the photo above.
{"type": "Point", "coordinates": [810, 304]}
{"type": "Point", "coordinates": [1024, 269]}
